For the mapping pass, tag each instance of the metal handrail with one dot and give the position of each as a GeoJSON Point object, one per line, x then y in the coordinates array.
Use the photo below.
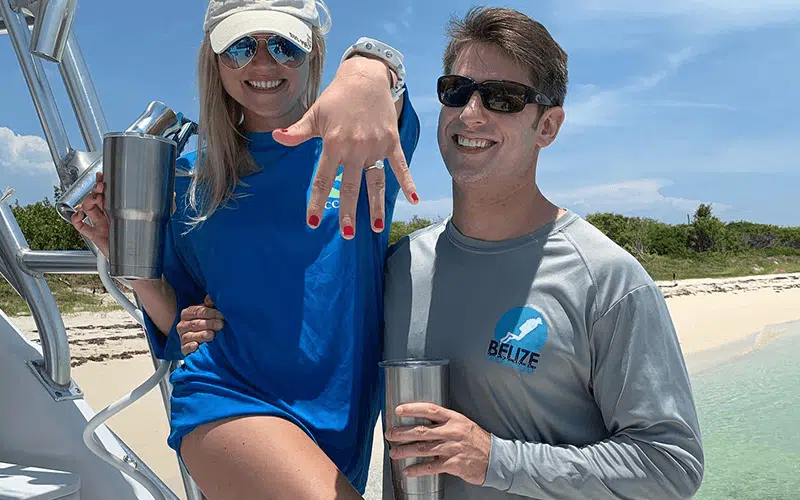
{"type": "Point", "coordinates": [28, 21]}
{"type": "Point", "coordinates": [39, 263]}
{"type": "Point", "coordinates": [23, 267]}
{"type": "Point", "coordinates": [52, 28]}
{"type": "Point", "coordinates": [85, 101]}
{"type": "Point", "coordinates": [43, 99]}
{"type": "Point", "coordinates": [37, 294]}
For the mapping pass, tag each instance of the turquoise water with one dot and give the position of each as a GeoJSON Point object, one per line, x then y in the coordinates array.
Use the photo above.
{"type": "Point", "coordinates": [749, 412]}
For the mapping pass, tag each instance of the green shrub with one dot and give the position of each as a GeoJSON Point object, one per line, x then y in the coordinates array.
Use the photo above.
{"type": "Point", "coordinates": [44, 229]}
{"type": "Point", "coordinates": [400, 229]}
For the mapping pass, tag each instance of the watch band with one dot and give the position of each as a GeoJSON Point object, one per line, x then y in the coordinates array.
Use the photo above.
{"type": "Point", "coordinates": [386, 53]}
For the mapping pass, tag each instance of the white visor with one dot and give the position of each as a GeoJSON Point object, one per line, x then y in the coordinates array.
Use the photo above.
{"type": "Point", "coordinates": [251, 22]}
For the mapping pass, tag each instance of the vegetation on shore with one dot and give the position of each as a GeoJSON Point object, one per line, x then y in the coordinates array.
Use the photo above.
{"type": "Point", "coordinates": [706, 247]}
{"type": "Point", "coordinates": [73, 293]}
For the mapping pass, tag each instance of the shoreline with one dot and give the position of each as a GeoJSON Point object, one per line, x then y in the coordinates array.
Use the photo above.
{"type": "Point", "coordinates": [700, 362]}
{"type": "Point", "coordinates": [717, 319]}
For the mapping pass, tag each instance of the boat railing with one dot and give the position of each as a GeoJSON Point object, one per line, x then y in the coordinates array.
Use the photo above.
{"type": "Point", "coordinates": [53, 40]}
{"type": "Point", "coordinates": [31, 286]}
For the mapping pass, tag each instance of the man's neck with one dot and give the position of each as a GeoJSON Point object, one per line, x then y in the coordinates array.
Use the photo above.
{"type": "Point", "coordinates": [497, 216]}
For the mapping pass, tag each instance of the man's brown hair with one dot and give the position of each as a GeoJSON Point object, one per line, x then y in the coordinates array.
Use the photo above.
{"type": "Point", "coordinates": [526, 41]}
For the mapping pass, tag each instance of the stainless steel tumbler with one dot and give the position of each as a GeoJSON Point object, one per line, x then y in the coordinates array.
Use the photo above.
{"type": "Point", "coordinates": [407, 381]}
{"type": "Point", "coordinates": [156, 119]}
{"type": "Point", "coordinates": [139, 172]}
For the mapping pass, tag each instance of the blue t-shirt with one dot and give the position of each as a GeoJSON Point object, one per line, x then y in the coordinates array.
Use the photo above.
{"type": "Point", "coordinates": [303, 307]}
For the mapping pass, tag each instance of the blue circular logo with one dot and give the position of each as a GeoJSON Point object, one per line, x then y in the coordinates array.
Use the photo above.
{"type": "Point", "coordinates": [518, 338]}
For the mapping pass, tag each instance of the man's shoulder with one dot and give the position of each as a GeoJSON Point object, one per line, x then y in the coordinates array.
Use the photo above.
{"type": "Point", "coordinates": [424, 240]}
{"type": "Point", "coordinates": [613, 271]}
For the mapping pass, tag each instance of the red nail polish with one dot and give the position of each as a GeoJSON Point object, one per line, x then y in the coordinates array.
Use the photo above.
{"type": "Point", "coordinates": [313, 221]}
{"type": "Point", "coordinates": [414, 197]}
{"type": "Point", "coordinates": [379, 223]}
{"type": "Point", "coordinates": [284, 130]}
{"type": "Point", "coordinates": [349, 231]}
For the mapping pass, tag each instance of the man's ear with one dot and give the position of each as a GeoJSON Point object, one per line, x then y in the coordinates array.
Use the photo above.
{"type": "Point", "coordinates": [549, 126]}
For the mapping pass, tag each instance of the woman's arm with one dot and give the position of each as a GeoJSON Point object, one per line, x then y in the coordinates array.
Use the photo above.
{"type": "Point", "coordinates": [157, 296]}
{"type": "Point", "coordinates": [369, 66]}
{"type": "Point", "coordinates": [158, 300]}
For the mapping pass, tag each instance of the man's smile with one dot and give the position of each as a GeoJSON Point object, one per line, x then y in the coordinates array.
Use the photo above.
{"type": "Point", "coordinates": [472, 144]}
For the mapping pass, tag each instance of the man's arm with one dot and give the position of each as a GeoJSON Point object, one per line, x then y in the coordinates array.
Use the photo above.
{"type": "Point", "coordinates": [642, 388]}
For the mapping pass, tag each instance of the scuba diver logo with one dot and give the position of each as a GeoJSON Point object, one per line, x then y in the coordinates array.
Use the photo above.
{"type": "Point", "coordinates": [519, 337]}
{"type": "Point", "coordinates": [333, 198]}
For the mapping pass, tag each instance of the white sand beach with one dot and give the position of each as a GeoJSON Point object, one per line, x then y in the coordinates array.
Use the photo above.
{"type": "Point", "coordinates": [715, 319]}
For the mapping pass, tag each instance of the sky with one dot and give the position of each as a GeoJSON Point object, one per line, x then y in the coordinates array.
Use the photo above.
{"type": "Point", "coordinates": [670, 104]}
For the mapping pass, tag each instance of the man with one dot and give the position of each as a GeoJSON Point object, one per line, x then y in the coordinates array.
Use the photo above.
{"type": "Point", "coordinates": [566, 376]}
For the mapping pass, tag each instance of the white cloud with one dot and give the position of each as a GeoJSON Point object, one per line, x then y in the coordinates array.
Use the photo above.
{"type": "Point", "coordinates": [401, 22]}
{"type": "Point", "coordinates": [28, 153]}
{"type": "Point", "coordinates": [405, 20]}
{"type": "Point", "coordinates": [776, 154]}
{"type": "Point", "coordinates": [390, 28]}
{"type": "Point", "coordinates": [634, 197]}
{"type": "Point", "coordinates": [597, 107]}
{"type": "Point", "coordinates": [695, 15]}
{"type": "Point", "coordinates": [641, 196]}
{"type": "Point", "coordinates": [684, 153]}
{"type": "Point", "coordinates": [672, 103]}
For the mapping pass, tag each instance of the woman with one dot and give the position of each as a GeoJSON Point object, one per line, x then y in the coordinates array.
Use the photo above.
{"type": "Point", "coordinates": [284, 401]}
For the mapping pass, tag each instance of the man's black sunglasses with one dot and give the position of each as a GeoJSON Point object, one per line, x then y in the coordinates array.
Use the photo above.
{"type": "Point", "coordinates": [497, 95]}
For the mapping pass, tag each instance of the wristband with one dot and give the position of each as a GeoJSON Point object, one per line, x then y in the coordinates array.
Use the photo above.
{"type": "Point", "coordinates": [386, 53]}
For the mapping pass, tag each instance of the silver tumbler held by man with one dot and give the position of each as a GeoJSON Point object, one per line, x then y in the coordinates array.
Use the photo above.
{"type": "Point", "coordinates": [139, 173]}
{"type": "Point", "coordinates": [409, 381]}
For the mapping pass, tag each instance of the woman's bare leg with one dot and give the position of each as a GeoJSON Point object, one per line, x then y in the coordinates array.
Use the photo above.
{"type": "Point", "coordinates": [261, 457]}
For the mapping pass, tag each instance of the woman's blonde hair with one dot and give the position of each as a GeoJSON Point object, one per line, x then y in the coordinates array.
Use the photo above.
{"type": "Point", "coordinates": [222, 151]}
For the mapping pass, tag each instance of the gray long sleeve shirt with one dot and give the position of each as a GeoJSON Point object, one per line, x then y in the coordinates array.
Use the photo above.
{"type": "Point", "coordinates": [561, 346]}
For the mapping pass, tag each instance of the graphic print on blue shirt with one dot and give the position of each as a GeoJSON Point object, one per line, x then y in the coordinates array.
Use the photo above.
{"type": "Point", "coordinates": [333, 199]}
{"type": "Point", "coordinates": [303, 307]}
{"type": "Point", "coordinates": [519, 337]}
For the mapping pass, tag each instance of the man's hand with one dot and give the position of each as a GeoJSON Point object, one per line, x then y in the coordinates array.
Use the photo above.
{"type": "Point", "coordinates": [462, 448]}
{"type": "Point", "coordinates": [199, 324]}
{"type": "Point", "coordinates": [358, 123]}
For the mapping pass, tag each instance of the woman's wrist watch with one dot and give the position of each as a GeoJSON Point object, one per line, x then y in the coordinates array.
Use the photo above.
{"type": "Point", "coordinates": [392, 57]}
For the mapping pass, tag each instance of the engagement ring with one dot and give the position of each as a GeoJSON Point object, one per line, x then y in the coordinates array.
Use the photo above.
{"type": "Point", "coordinates": [379, 165]}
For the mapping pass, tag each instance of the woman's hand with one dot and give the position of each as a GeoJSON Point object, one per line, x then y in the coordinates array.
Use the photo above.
{"type": "Point", "coordinates": [358, 122]}
{"type": "Point", "coordinates": [93, 207]}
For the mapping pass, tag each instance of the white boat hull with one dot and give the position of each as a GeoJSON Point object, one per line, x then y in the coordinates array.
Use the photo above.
{"type": "Point", "coordinates": [36, 430]}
